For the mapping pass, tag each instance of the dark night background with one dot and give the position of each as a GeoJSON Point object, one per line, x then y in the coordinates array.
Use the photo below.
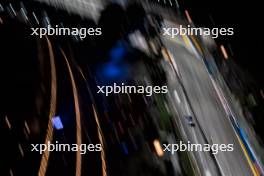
{"type": "Point", "coordinates": [247, 52]}
{"type": "Point", "coordinates": [246, 19]}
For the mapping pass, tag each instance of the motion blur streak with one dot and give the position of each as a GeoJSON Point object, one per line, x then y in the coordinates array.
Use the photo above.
{"type": "Point", "coordinates": [78, 118]}
{"type": "Point", "coordinates": [253, 168]}
{"type": "Point", "coordinates": [53, 99]}
{"type": "Point", "coordinates": [158, 148]}
{"type": "Point", "coordinates": [21, 150]}
{"type": "Point", "coordinates": [99, 130]}
{"type": "Point", "coordinates": [194, 40]}
{"type": "Point", "coordinates": [188, 16]}
{"type": "Point", "coordinates": [100, 135]}
{"type": "Point", "coordinates": [224, 51]}
{"type": "Point", "coordinates": [172, 61]}
{"type": "Point", "coordinates": [227, 109]}
{"type": "Point", "coordinates": [7, 122]}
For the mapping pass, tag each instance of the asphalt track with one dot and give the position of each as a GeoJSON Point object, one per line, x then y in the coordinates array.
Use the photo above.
{"type": "Point", "coordinates": [194, 93]}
